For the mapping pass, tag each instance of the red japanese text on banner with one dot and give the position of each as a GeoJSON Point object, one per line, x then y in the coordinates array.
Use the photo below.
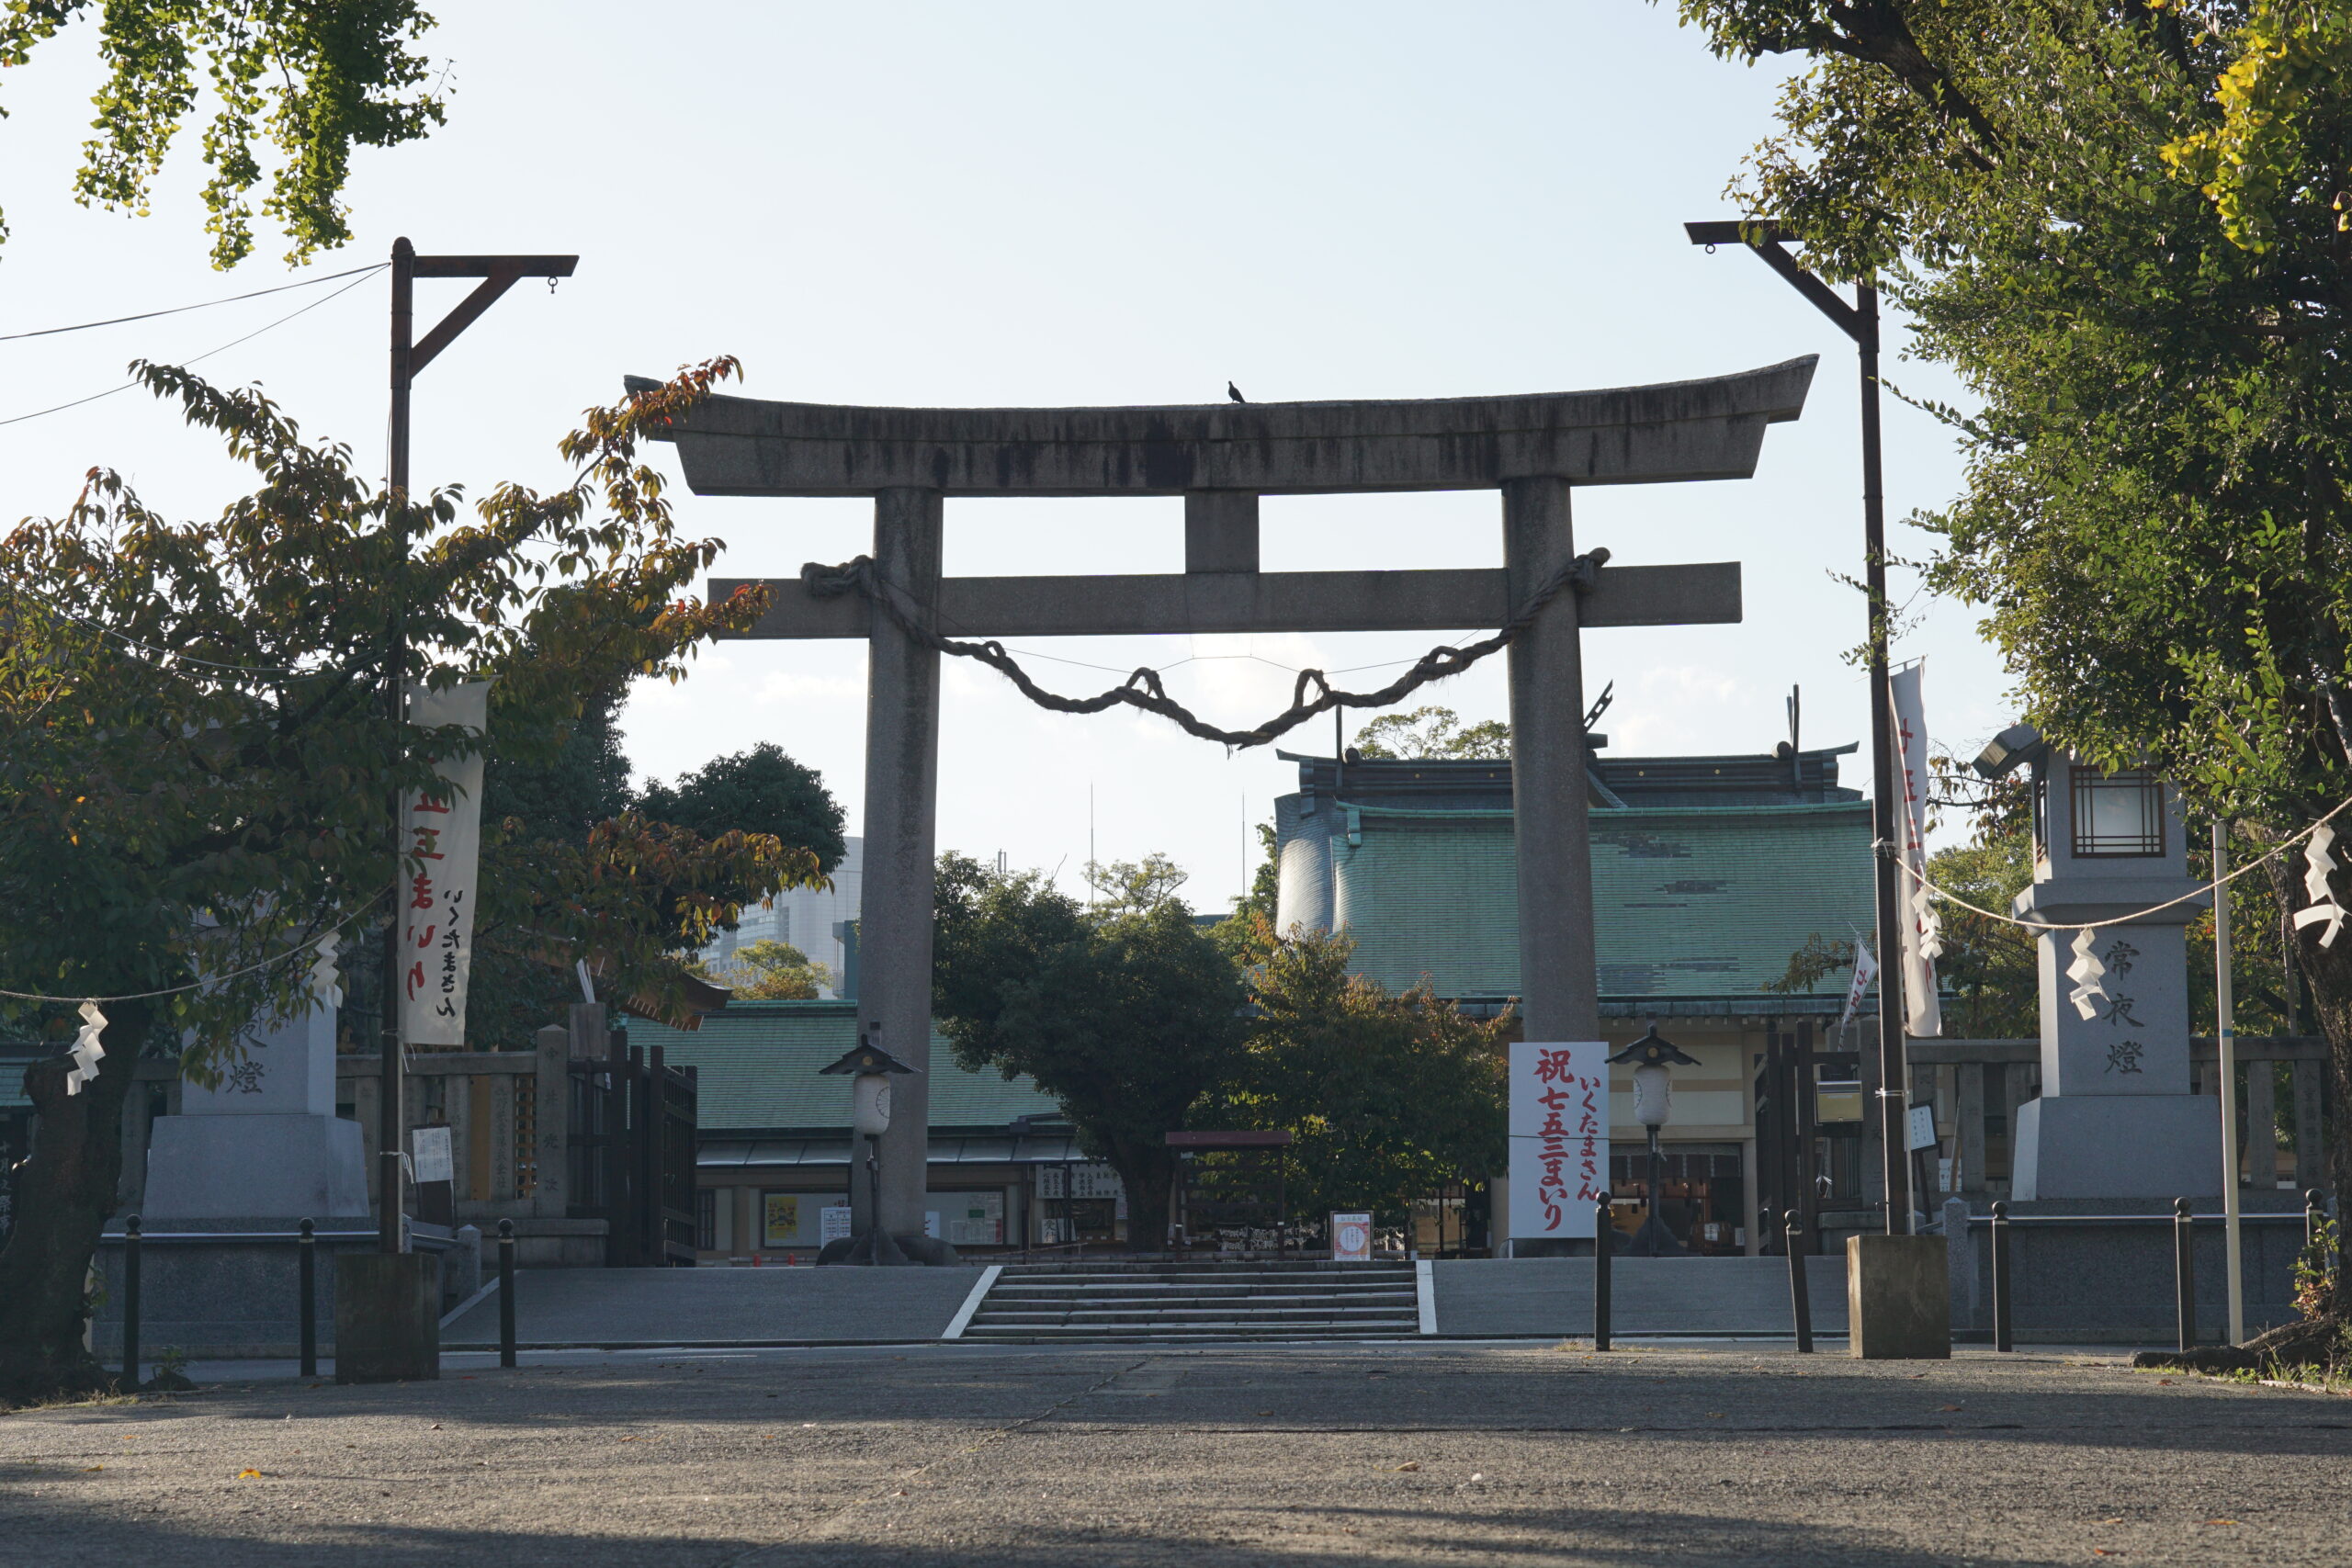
{"type": "Point", "coordinates": [1559, 1137]}
{"type": "Point", "coordinates": [443, 832]}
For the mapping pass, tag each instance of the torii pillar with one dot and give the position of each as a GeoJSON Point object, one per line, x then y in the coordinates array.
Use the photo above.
{"type": "Point", "coordinates": [1221, 458]}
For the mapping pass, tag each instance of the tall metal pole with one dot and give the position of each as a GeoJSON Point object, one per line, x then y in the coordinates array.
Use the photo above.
{"type": "Point", "coordinates": [1893, 1097]}
{"type": "Point", "coordinates": [2225, 1036]}
{"type": "Point", "coordinates": [1859, 322]}
{"type": "Point", "coordinates": [391, 1195]}
{"type": "Point", "coordinates": [498, 274]}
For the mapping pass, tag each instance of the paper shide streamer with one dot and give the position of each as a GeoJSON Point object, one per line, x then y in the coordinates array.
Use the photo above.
{"type": "Point", "coordinates": [2318, 864]}
{"type": "Point", "coordinates": [2087, 972]}
{"type": "Point", "coordinates": [326, 981]}
{"type": "Point", "coordinates": [86, 1049]}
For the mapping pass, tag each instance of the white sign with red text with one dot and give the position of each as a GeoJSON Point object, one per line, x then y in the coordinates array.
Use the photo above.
{"type": "Point", "coordinates": [1559, 1137]}
{"type": "Point", "coordinates": [439, 881]}
{"type": "Point", "coordinates": [1351, 1238]}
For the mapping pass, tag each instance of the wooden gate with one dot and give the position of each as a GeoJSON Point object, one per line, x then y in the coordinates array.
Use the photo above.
{"type": "Point", "coordinates": [632, 1153]}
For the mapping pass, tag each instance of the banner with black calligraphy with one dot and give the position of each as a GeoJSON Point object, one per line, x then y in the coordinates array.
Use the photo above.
{"type": "Point", "coordinates": [443, 824]}
{"type": "Point", "coordinates": [1559, 1137]}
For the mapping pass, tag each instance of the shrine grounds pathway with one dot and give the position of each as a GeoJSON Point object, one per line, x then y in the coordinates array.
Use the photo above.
{"type": "Point", "coordinates": [916, 1457]}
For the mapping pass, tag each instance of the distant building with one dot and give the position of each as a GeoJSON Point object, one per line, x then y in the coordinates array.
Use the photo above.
{"type": "Point", "coordinates": [1709, 874]}
{"type": "Point", "coordinates": [774, 1150]}
{"type": "Point", "coordinates": [805, 917]}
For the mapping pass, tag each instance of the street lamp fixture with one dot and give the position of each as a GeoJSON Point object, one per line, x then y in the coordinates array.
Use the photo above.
{"type": "Point", "coordinates": [1654, 1058]}
{"type": "Point", "coordinates": [870, 1068]}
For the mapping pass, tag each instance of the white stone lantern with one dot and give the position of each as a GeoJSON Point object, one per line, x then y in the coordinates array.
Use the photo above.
{"type": "Point", "coordinates": [870, 1068]}
{"type": "Point", "coordinates": [1654, 1058]}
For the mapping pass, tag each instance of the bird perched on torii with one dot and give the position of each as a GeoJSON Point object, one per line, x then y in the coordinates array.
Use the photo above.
{"type": "Point", "coordinates": [1234, 393]}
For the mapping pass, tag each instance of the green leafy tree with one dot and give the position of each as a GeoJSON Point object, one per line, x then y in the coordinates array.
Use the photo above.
{"type": "Point", "coordinates": [761, 791]}
{"type": "Point", "coordinates": [1133, 888]}
{"type": "Point", "coordinates": [769, 971]}
{"type": "Point", "coordinates": [197, 768]}
{"type": "Point", "coordinates": [1432, 732]}
{"type": "Point", "coordinates": [1247, 934]}
{"type": "Point", "coordinates": [1130, 1015]}
{"type": "Point", "coordinates": [2123, 227]}
{"type": "Point", "coordinates": [561, 796]}
{"type": "Point", "coordinates": [1387, 1096]}
{"type": "Point", "coordinates": [302, 80]}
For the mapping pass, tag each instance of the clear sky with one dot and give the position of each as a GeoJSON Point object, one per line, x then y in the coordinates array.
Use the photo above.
{"type": "Point", "coordinates": [1023, 204]}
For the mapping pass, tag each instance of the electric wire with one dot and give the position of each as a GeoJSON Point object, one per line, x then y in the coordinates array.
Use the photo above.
{"type": "Point", "coordinates": [1943, 896]}
{"type": "Point", "coordinates": [206, 305]}
{"type": "Point", "coordinates": [308, 945]}
{"type": "Point", "coordinates": [110, 392]}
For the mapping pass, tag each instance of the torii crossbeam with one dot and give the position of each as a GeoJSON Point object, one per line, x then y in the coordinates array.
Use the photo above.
{"type": "Point", "coordinates": [1221, 458]}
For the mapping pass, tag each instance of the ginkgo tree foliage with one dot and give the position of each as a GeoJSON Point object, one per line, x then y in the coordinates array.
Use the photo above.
{"type": "Point", "coordinates": [299, 84]}
{"type": "Point", "coordinates": [197, 765]}
{"type": "Point", "coordinates": [2125, 226]}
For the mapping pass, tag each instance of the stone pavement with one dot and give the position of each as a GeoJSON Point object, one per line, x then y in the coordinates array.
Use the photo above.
{"type": "Point", "coordinates": [1233, 1455]}
{"type": "Point", "coordinates": [1531, 1298]}
{"type": "Point", "coordinates": [704, 1306]}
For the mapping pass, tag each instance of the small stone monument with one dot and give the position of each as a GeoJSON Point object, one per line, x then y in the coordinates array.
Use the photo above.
{"type": "Point", "coordinates": [265, 1142]}
{"type": "Point", "coordinates": [2116, 1119]}
{"type": "Point", "coordinates": [231, 1176]}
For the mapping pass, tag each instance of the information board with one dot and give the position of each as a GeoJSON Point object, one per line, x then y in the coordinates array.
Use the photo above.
{"type": "Point", "coordinates": [1559, 1137]}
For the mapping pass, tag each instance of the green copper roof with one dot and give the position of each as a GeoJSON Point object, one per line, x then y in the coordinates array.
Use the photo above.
{"type": "Point", "coordinates": [1689, 902]}
{"type": "Point", "coordinates": [757, 1067]}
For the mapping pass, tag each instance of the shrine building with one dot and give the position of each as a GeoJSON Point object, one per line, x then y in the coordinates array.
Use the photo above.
{"type": "Point", "coordinates": [1708, 874]}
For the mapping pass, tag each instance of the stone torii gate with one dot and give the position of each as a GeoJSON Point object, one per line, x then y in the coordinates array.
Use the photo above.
{"type": "Point", "coordinates": [1221, 458]}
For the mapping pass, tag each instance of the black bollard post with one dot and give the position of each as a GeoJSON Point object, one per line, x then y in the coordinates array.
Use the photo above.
{"type": "Point", "coordinates": [130, 1305]}
{"type": "Point", "coordinates": [1799, 1293]}
{"type": "Point", "coordinates": [2003, 1337]}
{"type": "Point", "coordinates": [2184, 1270]}
{"type": "Point", "coordinates": [506, 1293]}
{"type": "Point", "coordinates": [308, 1245]}
{"type": "Point", "coordinates": [1604, 1244]}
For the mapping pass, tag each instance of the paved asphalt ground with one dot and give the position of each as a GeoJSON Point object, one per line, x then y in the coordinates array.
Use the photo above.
{"type": "Point", "coordinates": [1458, 1453]}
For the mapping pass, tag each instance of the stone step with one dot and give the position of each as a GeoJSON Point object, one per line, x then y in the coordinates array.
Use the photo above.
{"type": "Point", "coordinates": [1239, 1329]}
{"type": "Point", "coordinates": [1198, 1293]}
{"type": "Point", "coordinates": [1149, 1282]}
{"type": "Point", "coordinates": [1196, 1270]}
{"type": "Point", "coordinates": [1195, 1298]}
{"type": "Point", "coordinates": [1304, 1299]}
{"type": "Point", "coordinates": [1203, 1313]}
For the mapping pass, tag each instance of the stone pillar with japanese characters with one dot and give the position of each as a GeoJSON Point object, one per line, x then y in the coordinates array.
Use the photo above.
{"type": "Point", "coordinates": [264, 1142]}
{"type": "Point", "coordinates": [2116, 1118]}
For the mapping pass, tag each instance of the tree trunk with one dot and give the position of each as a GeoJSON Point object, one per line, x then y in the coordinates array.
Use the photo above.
{"type": "Point", "coordinates": [2328, 972]}
{"type": "Point", "coordinates": [1145, 1173]}
{"type": "Point", "coordinates": [65, 1191]}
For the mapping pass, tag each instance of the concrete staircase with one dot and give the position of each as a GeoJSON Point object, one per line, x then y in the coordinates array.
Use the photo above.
{"type": "Point", "coordinates": [1312, 1300]}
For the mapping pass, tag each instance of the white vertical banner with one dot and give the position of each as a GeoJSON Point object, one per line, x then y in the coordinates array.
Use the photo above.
{"type": "Point", "coordinates": [440, 887]}
{"type": "Point", "coordinates": [1559, 1137]}
{"type": "Point", "coordinates": [1865, 971]}
{"type": "Point", "coordinates": [1915, 912]}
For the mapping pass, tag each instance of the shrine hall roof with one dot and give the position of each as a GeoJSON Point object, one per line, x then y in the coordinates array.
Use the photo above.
{"type": "Point", "coordinates": [756, 1070]}
{"type": "Point", "coordinates": [1687, 902]}
{"type": "Point", "coordinates": [1708, 874]}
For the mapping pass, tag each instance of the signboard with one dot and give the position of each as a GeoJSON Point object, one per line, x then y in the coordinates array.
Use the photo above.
{"type": "Point", "coordinates": [1923, 1127]}
{"type": "Point", "coordinates": [431, 1148]}
{"type": "Point", "coordinates": [442, 828]}
{"type": "Point", "coordinates": [1093, 1180]}
{"type": "Point", "coordinates": [436, 1171]}
{"type": "Point", "coordinates": [1350, 1238]}
{"type": "Point", "coordinates": [1559, 1137]}
{"type": "Point", "coordinates": [833, 1223]}
{"type": "Point", "coordinates": [780, 1219]}
{"type": "Point", "coordinates": [972, 1219]}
